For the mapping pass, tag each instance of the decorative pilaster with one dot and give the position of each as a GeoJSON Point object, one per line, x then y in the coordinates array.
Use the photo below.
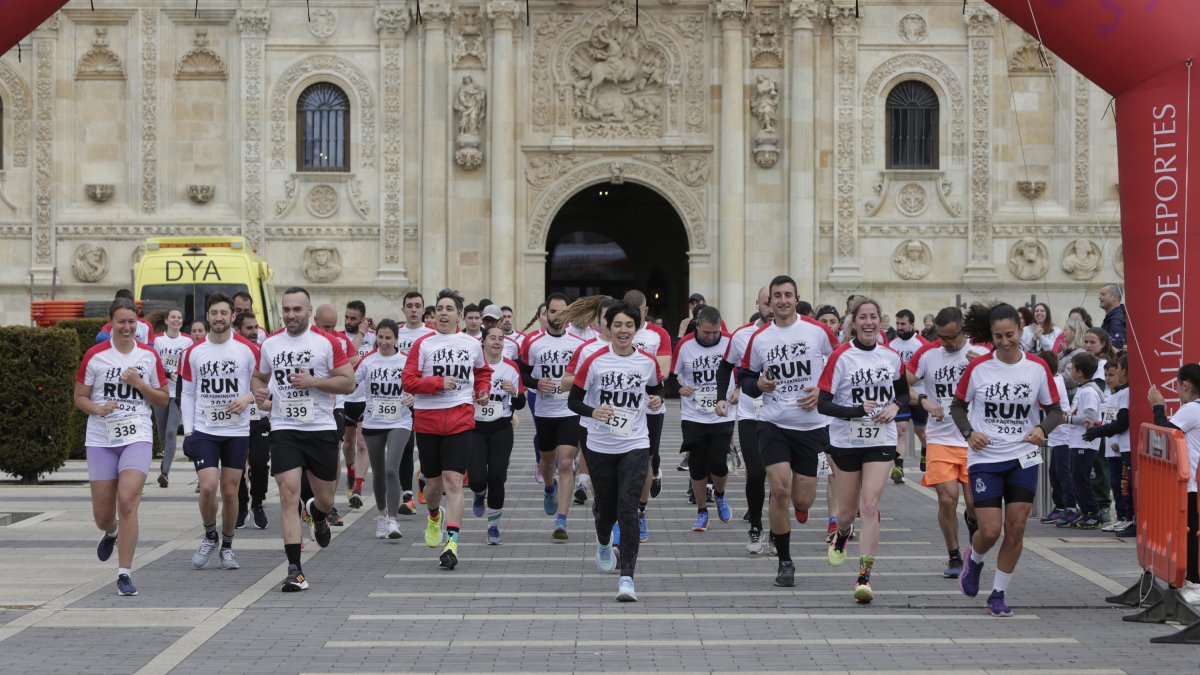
{"type": "Point", "coordinates": [45, 40]}
{"type": "Point", "coordinates": [731, 224]}
{"type": "Point", "coordinates": [149, 86]}
{"type": "Point", "coordinates": [805, 16]}
{"type": "Point", "coordinates": [846, 272]}
{"type": "Point", "coordinates": [392, 25]}
{"type": "Point", "coordinates": [253, 25]}
{"type": "Point", "coordinates": [981, 30]}
{"type": "Point", "coordinates": [435, 147]}
{"type": "Point", "coordinates": [1083, 202]}
{"type": "Point", "coordinates": [503, 188]}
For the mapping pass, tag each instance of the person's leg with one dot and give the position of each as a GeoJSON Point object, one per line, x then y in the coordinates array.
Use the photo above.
{"type": "Point", "coordinates": [631, 476]}
{"type": "Point", "coordinates": [1015, 516]}
{"type": "Point", "coordinates": [566, 474]}
{"type": "Point", "coordinates": [260, 457]}
{"type": "Point", "coordinates": [104, 504]}
{"type": "Point", "coordinates": [717, 448]}
{"type": "Point", "coordinates": [1099, 482]}
{"type": "Point", "coordinates": [698, 469]}
{"type": "Point", "coordinates": [397, 441]}
{"type": "Point", "coordinates": [208, 478]}
{"type": "Point", "coordinates": [360, 457]}
{"type": "Point", "coordinates": [756, 473]}
{"type": "Point", "coordinates": [477, 462]}
{"type": "Point", "coordinates": [779, 509]}
{"type": "Point", "coordinates": [1127, 485]}
{"type": "Point", "coordinates": [377, 456]}
{"type": "Point", "coordinates": [1193, 543]}
{"type": "Point", "coordinates": [160, 424]}
{"type": "Point", "coordinates": [874, 477]}
{"type": "Point", "coordinates": [455, 449]}
{"type": "Point", "coordinates": [1057, 489]}
{"type": "Point", "coordinates": [654, 426]}
{"type": "Point", "coordinates": [603, 469]}
{"type": "Point", "coordinates": [947, 517]}
{"type": "Point", "coordinates": [1082, 462]}
{"type": "Point", "coordinates": [169, 432]}
{"type": "Point", "coordinates": [129, 497]}
{"type": "Point", "coordinates": [406, 466]}
{"type": "Point", "coordinates": [1114, 483]}
{"type": "Point", "coordinates": [499, 454]}
{"type": "Point", "coordinates": [231, 478]}
{"type": "Point", "coordinates": [1063, 458]}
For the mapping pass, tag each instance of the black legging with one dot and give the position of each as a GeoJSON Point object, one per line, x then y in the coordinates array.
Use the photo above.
{"type": "Point", "coordinates": [618, 481]}
{"type": "Point", "coordinates": [756, 473]}
{"type": "Point", "coordinates": [654, 424]}
{"type": "Point", "coordinates": [406, 464]}
{"type": "Point", "coordinates": [259, 474]}
{"type": "Point", "coordinates": [1193, 544]}
{"type": "Point", "coordinates": [487, 465]}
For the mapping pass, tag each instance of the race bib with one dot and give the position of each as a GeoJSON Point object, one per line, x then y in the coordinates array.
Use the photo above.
{"type": "Point", "coordinates": [219, 416]}
{"type": "Point", "coordinates": [823, 465]}
{"type": "Point", "coordinates": [298, 410]}
{"type": "Point", "coordinates": [123, 430]}
{"type": "Point", "coordinates": [621, 422]}
{"type": "Point", "coordinates": [705, 402]}
{"type": "Point", "coordinates": [1109, 416]}
{"type": "Point", "coordinates": [557, 394]}
{"type": "Point", "coordinates": [170, 362]}
{"type": "Point", "coordinates": [488, 412]}
{"type": "Point", "coordinates": [386, 409]}
{"type": "Point", "coordinates": [865, 433]}
{"type": "Point", "coordinates": [1032, 459]}
{"type": "Point", "coordinates": [255, 413]}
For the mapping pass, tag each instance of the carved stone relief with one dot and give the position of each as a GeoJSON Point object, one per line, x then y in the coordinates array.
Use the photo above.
{"type": "Point", "coordinates": [470, 49]}
{"type": "Point", "coordinates": [322, 23]}
{"type": "Point", "coordinates": [911, 201]}
{"type": "Point", "coordinates": [1028, 259]}
{"type": "Point", "coordinates": [201, 62]}
{"type": "Point", "coordinates": [932, 67]}
{"type": "Point", "coordinates": [912, 28]}
{"type": "Point", "coordinates": [18, 101]}
{"type": "Point", "coordinates": [90, 263]}
{"type": "Point", "coordinates": [99, 192]}
{"type": "Point", "coordinates": [1082, 144]}
{"type": "Point", "coordinates": [393, 25]}
{"type": "Point", "coordinates": [766, 49]}
{"type": "Point", "coordinates": [343, 69]}
{"type": "Point", "coordinates": [1119, 262]}
{"type": "Point", "coordinates": [1031, 189]}
{"type": "Point", "coordinates": [100, 62]}
{"type": "Point", "coordinates": [1030, 58]}
{"type": "Point", "coordinates": [1081, 259]}
{"type": "Point", "coordinates": [322, 262]}
{"type": "Point", "coordinates": [845, 56]}
{"type": "Point", "coordinates": [253, 24]}
{"type": "Point", "coordinates": [322, 201]}
{"type": "Point", "coordinates": [149, 88]}
{"type": "Point", "coordinates": [912, 260]}
{"type": "Point", "coordinates": [43, 150]}
{"type": "Point", "coordinates": [981, 23]}
{"type": "Point", "coordinates": [139, 252]}
{"type": "Point", "coordinates": [201, 194]}
{"type": "Point", "coordinates": [765, 106]}
{"type": "Point", "coordinates": [471, 105]}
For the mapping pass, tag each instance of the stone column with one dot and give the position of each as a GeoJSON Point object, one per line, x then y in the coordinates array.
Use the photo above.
{"type": "Point", "coordinates": [435, 148]}
{"type": "Point", "coordinates": [253, 25]}
{"type": "Point", "coordinates": [731, 249]}
{"type": "Point", "coordinates": [802, 159]}
{"type": "Point", "coordinates": [149, 109]}
{"type": "Point", "coordinates": [45, 40]}
{"type": "Point", "coordinates": [980, 273]}
{"type": "Point", "coordinates": [503, 188]}
{"type": "Point", "coordinates": [846, 273]}
{"type": "Point", "coordinates": [392, 25]}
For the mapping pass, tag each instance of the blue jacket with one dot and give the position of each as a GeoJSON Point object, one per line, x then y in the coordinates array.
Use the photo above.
{"type": "Point", "coordinates": [1114, 324]}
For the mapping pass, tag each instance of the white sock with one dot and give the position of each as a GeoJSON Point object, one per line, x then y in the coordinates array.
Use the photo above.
{"type": "Point", "coordinates": [115, 530]}
{"type": "Point", "coordinates": [122, 570]}
{"type": "Point", "coordinates": [976, 558]}
{"type": "Point", "coordinates": [1001, 581]}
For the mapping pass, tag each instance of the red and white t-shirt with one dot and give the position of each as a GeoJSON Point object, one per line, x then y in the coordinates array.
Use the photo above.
{"type": "Point", "coordinates": [619, 381]}
{"type": "Point", "coordinates": [405, 337]}
{"type": "Point", "coordinates": [518, 339]}
{"type": "Point", "coordinates": [379, 378]}
{"type": "Point", "coordinates": [282, 354]}
{"type": "Point", "coordinates": [433, 358]}
{"type": "Point", "coordinates": [365, 346]}
{"type": "Point", "coordinates": [652, 339]}
{"type": "Point", "coordinates": [938, 373]}
{"type": "Point", "coordinates": [101, 370]}
{"type": "Point", "coordinates": [735, 351]}
{"type": "Point", "coordinates": [696, 366]}
{"type": "Point", "coordinates": [855, 376]}
{"type": "Point", "coordinates": [512, 348]}
{"type": "Point", "coordinates": [1004, 400]}
{"type": "Point", "coordinates": [548, 356]}
{"type": "Point", "coordinates": [1113, 403]}
{"type": "Point", "coordinates": [794, 357]}
{"type": "Point", "coordinates": [584, 333]}
{"type": "Point", "coordinates": [170, 350]}
{"type": "Point", "coordinates": [907, 348]}
{"type": "Point", "coordinates": [582, 354]}
{"type": "Point", "coordinates": [213, 376]}
{"type": "Point", "coordinates": [499, 405]}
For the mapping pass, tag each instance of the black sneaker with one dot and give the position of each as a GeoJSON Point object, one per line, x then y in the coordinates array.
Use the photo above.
{"type": "Point", "coordinates": [580, 495]}
{"type": "Point", "coordinates": [241, 519]}
{"type": "Point", "coordinates": [321, 530]}
{"type": "Point", "coordinates": [787, 574]}
{"type": "Point", "coordinates": [104, 549]}
{"type": "Point", "coordinates": [295, 580]}
{"type": "Point", "coordinates": [260, 516]}
{"type": "Point", "coordinates": [1128, 531]}
{"type": "Point", "coordinates": [656, 485]}
{"type": "Point", "coordinates": [1089, 521]}
{"type": "Point", "coordinates": [334, 519]}
{"type": "Point", "coordinates": [683, 466]}
{"type": "Point", "coordinates": [162, 480]}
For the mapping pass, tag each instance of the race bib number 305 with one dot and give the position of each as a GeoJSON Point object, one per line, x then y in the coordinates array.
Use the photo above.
{"type": "Point", "coordinates": [621, 422]}
{"type": "Point", "coordinates": [122, 430]}
{"type": "Point", "coordinates": [219, 416]}
{"type": "Point", "coordinates": [865, 433]}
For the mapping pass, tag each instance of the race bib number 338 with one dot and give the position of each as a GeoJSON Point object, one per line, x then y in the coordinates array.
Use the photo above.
{"type": "Point", "coordinates": [122, 430]}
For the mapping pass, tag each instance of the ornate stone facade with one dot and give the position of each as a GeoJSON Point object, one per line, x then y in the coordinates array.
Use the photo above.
{"type": "Point", "coordinates": [763, 126]}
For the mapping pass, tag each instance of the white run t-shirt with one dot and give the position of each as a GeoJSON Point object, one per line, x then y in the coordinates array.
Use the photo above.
{"type": "Point", "coordinates": [735, 351]}
{"type": "Point", "coordinates": [938, 373]}
{"type": "Point", "coordinates": [170, 350]}
{"type": "Point", "coordinates": [101, 369]}
{"type": "Point", "coordinates": [378, 378]}
{"type": "Point", "coordinates": [696, 366]}
{"type": "Point", "coordinates": [1086, 406]}
{"type": "Point", "coordinates": [907, 348]}
{"type": "Point", "coordinates": [619, 381]}
{"type": "Point", "coordinates": [405, 337]}
{"type": "Point", "coordinates": [548, 356]}
{"type": "Point", "coordinates": [855, 376]}
{"type": "Point", "coordinates": [794, 356]}
{"type": "Point", "coordinates": [499, 405]}
{"type": "Point", "coordinates": [454, 355]}
{"type": "Point", "coordinates": [1113, 403]}
{"type": "Point", "coordinates": [1187, 418]}
{"type": "Point", "coordinates": [1061, 435]}
{"type": "Point", "coordinates": [1004, 401]}
{"type": "Point", "coordinates": [655, 341]}
{"type": "Point", "coordinates": [213, 376]}
{"type": "Point", "coordinates": [313, 350]}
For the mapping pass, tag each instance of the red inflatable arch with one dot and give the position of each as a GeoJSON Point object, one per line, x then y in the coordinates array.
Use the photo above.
{"type": "Point", "coordinates": [1141, 52]}
{"type": "Point", "coordinates": [18, 18]}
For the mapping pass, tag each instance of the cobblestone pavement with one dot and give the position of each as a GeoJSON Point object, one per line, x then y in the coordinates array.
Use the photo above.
{"type": "Point", "coordinates": [535, 605]}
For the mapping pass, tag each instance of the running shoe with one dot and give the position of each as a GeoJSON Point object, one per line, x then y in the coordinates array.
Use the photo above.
{"type": "Point", "coordinates": [204, 552]}
{"type": "Point", "coordinates": [656, 485]}
{"type": "Point", "coordinates": [104, 549]}
{"type": "Point", "coordinates": [786, 578]}
{"type": "Point", "coordinates": [550, 500]}
{"type": "Point", "coordinates": [862, 591]}
{"type": "Point", "coordinates": [1053, 515]}
{"type": "Point", "coordinates": [407, 507]}
{"type": "Point", "coordinates": [421, 490]}
{"type": "Point", "coordinates": [830, 531]}
{"type": "Point", "coordinates": [449, 557]}
{"type": "Point", "coordinates": [493, 534]}
{"type": "Point", "coordinates": [580, 494]}
{"type": "Point", "coordinates": [1089, 521]}
{"type": "Point", "coordinates": [605, 560]}
{"type": "Point", "coordinates": [321, 532]}
{"type": "Point", "coordinates": [1114, 525]}
{"type": "Point", "coordinates": [228, 559]}
{"type": "Point", "coordinates": [746, 515]}
{"type": "Point", "coordinates": [897, 477]}
{"type": "Point", "coordinates": [295, 580]}
{"type": "Point", "coordinates": [162, 480]}
{"type": "Point", "coordinates": [1070, 516]}
{"type": "Point", "coordinates": [724, 511]}
{"type": "Point", "coordinates": [954, 568]}
{"type": "Point", "coordinates": [996, 605]}
{"type": "Point", "coordinates": [560, 528]}
{"type": "Point", "coordinates": [480, 504]}
{"type": "Point", "coordinates": [801, 516]}
{"type": "Point", "coordinates": [771, 551]}
{"type": "Point", "coordinates": [125, 585]}
{"type": "Point", "coordinates": [1129, 530]}
{"type": "Point", "coordinates": [701, 524]}
{"type": "Point", "coordinates": [968, 580]}
{"type": "Point", "coordinates": [837, 549]}
{"type": "Point", "coordinates": [241, 518]}
{"type": "Point", "coordinates": [683, 465]}
{"type": "Point", "coordinates": [625, 590]}
{"type": "Point", "coordinates": [356, 501]}
{"type": "Point", "coordinates": [381, 528]}
{"type": "Point", "coordinates": [393, 530]}
{"type": "Point", "coordinates": [643, 528]}
{"type": "Point", "coordinates": [435, 530]}
{"type": "Point", "coordinates": [755, 546]}
{"type": "Point", "coordinates": [334, 519]}
{"type": "Point", "coordinates": [260, 516]}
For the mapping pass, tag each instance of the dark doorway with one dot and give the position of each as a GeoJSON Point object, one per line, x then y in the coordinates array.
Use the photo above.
{"type": "Point", "coordinates": [612, 238]}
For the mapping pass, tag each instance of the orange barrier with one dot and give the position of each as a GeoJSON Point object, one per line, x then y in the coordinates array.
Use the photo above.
{"type": "Point", "coordinates": [46, 313]}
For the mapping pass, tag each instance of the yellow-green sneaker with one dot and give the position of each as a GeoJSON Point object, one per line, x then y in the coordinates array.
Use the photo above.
{"type": "Point", "coordinates": [449, 557]}
{"type": "Point", "coordinates": [435, 530]}
{"type": "Point", "coordinates": [837, 548]}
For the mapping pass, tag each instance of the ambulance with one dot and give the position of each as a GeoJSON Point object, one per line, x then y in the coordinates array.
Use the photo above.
{"type": "Point", "coordinates": [184, 271]}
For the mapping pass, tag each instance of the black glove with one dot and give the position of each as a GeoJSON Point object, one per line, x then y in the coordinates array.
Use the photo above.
{"type": "Point", "coordinates": [1091, 434]}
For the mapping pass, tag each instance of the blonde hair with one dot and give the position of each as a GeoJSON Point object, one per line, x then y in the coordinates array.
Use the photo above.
{"type": "Point", "coordinates": [583, 311]}
{"type": "Point", "coordinates": [1078, 331]}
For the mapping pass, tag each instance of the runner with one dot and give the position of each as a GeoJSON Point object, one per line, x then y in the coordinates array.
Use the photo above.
{"type": "Point", "coordinates": [243, 302]}
{"type": "Point", "coordinates": [615, 387]}
{"type": "Point", "coordinates": [996, 410]}
{"type": "Point", "coordinates": [934, 372]}
{"type": "Point", "coordinates": [907, 343]}
{"type": "Point", "coordinates": [707, 429]}
{"type": "Point", "coordinates": [487, 465]}
{"type": "Point", "coordinates": [539, 317]}
{"type": "Point", "coordinates": [117, 383]}
{"type": "Point", "coordinates": [170, 346]}
{"type": "Point", "coordinates": [387, 423]}
{"type": "Point", "coordinates": [414, 328]}
{"type": "Point", "coordinates": [215, 403]}
{"type": "Point", "coordinates": [447, 373]}
{"type": "Point", "coordinates": [654, 340]}
{"type": "Point", "coordinates": [145, 331]}
{"type": "Point", "coordinates": [747, 419]}
{"type": "Point", "coordinates": [325, 318]}
{"type": "Point", "coordinates": [303, 369]}
{"type": "Point", "coordinates": [863, 389]}
{"type": "Point", "coordinates": [362, 340]}
{"type": "Point", "coordinates": [543, 363]}
{"type": "Point", "coordinates": [251, 497]}
{"type": "Point", "coordinates": [512, 348]}
{"type": "Point", "coordinates": [780, 365]}
{"type": "Point", "coordinates": [472, 321]}
{"type": "Point", "coordinates": [198, 330]}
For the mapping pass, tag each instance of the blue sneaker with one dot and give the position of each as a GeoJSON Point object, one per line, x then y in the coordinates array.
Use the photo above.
{"type": "Point", "coordinates": [1070, 516]}
{"type": "Point", "coordinates": [701, 524]}
{"type": "Point", "coordinates": [723, 511]}
{"type": "Point", "coordinates": [493, 534]}
{"type": "Point", "coordinates": [996, 605]}
{"type": "Point", "coordinates": [1052, 516]}
{"type": "Point", "coordinates": [560, 528]}
{"type": "Point", "coordinates": [104, 549]}
{"type": "Point", "coordinates": [968, 579]}
{"type": "Point", "coordinates": [125, 585]}
{"type": "Point", "coordinates": [479, 505]}
{"type": "Point", "coordinates": [625, 590]}
{"type": "Point", "coordinates": [953, 568]}
{"type": "Point", "coordinates": [643, 529]}
{"type": "Point", "coordinates": [550, 500]}
{"type": "Point", "coordinates": [605, 560]}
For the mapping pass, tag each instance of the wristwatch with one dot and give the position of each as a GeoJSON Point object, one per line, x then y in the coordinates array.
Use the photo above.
{"type": "Point", "coordinates": [921, 398]}
{"type": "Point", "coordinates": [967, 433]}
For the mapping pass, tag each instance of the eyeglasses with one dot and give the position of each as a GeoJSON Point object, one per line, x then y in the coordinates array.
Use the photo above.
{"type": "Point", "coordinates": [948, 338]}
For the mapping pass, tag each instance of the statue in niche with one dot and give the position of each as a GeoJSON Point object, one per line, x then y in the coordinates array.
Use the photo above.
{"type": "Point", "coordinates": [912, 260]}
{"type": "Point", "coordinates": [90, 263]}
{"type": "Point", "coordinates": [765, 103]}
{"type": "Point", "coordinates": [471, 106]}
{"type": "Point", "coordinates": [1028, 259]}
{"type": "Point", "coordinates": [1081, 259]}
{"type": "Point", "coordinates": [322, 262]}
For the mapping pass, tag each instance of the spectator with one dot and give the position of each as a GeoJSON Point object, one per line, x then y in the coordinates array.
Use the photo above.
{"type": "Point", "coordinates": [1042, 334]}
{"type": "Point", "coordinates": [1114, 314]}
{"type": "Point", "coordinates": [688, 325]}
{"type": "Point", "coordinates": [1081, 314]}
{"type": "Point", "coordinates": [929, 330]}
{"type": "Point", "coordinates": [1026, 317]}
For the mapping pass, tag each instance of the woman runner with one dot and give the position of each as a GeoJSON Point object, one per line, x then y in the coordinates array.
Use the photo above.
{"type": "Point", "coordinates": [387, 423]}
{"type": "Point", "coordinates": [170, 346]}
{"type": "Point", "coordinates": [492, 442]}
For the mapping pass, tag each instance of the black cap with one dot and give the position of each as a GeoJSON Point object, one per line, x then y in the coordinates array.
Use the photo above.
{"type": "Point", "coordinates": [696, 297]}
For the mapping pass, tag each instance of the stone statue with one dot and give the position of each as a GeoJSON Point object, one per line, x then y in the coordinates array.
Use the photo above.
{"type": "Point", "coordinates": [1081, 259]}
{"type": "Point", "coordinates": [471, 106]}
{"type": "Point", "coordinates": [765, 104]}
{"type": "Point", "coordinates": [90, 263]}
{"type": "Point", "coordinates": [912, 260]}
{"type": "Point", "coordinates": [322, 262]}
{"type": "Point", "coordinates": [1028, 259]}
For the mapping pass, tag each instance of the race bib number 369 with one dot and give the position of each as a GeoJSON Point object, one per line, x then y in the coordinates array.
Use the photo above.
{"type": "Point", "coordinates": [387, 410]}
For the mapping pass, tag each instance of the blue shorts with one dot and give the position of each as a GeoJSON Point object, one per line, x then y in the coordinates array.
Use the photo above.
{"type": "Point", "coordinates": [915, 414]}
{"type": "Point", "coordinates": [210, 452]}
{"type": "Point", "coordinates": [997, 483]}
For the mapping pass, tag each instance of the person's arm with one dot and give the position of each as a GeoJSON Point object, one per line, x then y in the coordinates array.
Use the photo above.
{"type": "Point", "coordinates": [900, 386]}
{"type": "Point", "coordinates": [1161, 419]}
{"type": "Point", "coordinates": [527, 377]}
{"type": "Point", "coordinates": [517, 401]}
{"type": "Point", "coordinates": [1114, 428]}
{"type": "Point", "coordinates": [187, 405]}
{"type": "Point", "coordinates": [749, 382]}
{"type": "Point", "coordinates": [827, 407]}
{"type": "Point", "coordinates": [1054, 417]}
{"type": "Point", "coordinates": [724, 374]}
{"type": "Point", "coordinates": [576, 405]}
{"type": "Point", "coordinates": [961, 416]}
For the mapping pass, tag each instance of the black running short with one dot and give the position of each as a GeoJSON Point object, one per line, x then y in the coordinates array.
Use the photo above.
{"type": "Point", "coordinates": [798, 448]}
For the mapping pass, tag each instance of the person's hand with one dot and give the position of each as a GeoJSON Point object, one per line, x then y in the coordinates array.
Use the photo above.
{"type": "Point", "coordinates": [370, 323]}
{"type": "Point", "coordinates": [656, 402]}
{"type": "Point", "coordinates": [887, 413]}
{"type": "Point", "coordinates": [1091, 435]}
{"type": "Point", "coordinates": [237, 405]}
{"type": "Point", "coordinates": [603, 414]}
{"type": "Point", "coordinates": [449, 383]}
{"type": "Point", "coordinates": [686, 391]}
{"type": "Point", "coordinates": [481, 397]}
{"type": "Point", "coordinates": [107, 408]}
{"type": "Point", "coordinates": [1035, 436]}
{"type": "Point", "coordinates": [1155, 396]}
{"type": "Point", "coordinates": [261, 396]}
{"type": "Point", "coordinates": [722, 408]}
{"type": "Point", "coordinates": [765, 383]}
{"type": "Point", "coordinates": [934, 408]}
{"type": "Point", "coordinates": [546, 386]}
{"type": "Point", "coordinates": [735, 396]}
{"type": "Point", "coordinates": [302, 379]}
{"type": "Point", "coordinates": [977, 441]}
{"type": "Point", "coordinates": [407, 400]}
{"type": "Point", "coordinates": [131, 377]}
{"type": "Point", "coordinates": [869, 407]}
{"type": "Point", "coordinates": [808, 400]}
{"type": "Point", "coordinates": [508, 387]}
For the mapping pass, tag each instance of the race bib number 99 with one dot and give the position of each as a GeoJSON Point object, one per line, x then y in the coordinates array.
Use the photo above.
{"type": "Point", "coordinates": [122, 430]}
{"type": "Point", "coordinates": [488, 412]}
{"type": "Point", "coordinates": [621, 422]}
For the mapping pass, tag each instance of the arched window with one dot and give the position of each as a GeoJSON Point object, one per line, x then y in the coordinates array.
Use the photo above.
{"type": "Point", "coordinates": [912, 121]}
{"type": "Point", "coordinates": [323, 129]}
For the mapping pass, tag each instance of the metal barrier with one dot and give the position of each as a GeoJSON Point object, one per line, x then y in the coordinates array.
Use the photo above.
{"type": "Point", "coordinates": [1043, 502]}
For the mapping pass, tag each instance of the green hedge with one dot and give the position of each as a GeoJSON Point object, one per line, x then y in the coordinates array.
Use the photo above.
{"type": "Point", "coordinates": [37, 389]}
{"type": "Point", "coordinates": [86, 329]}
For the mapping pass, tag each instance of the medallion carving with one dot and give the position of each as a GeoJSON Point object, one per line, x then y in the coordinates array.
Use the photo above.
{"type": "Point", "coordinates": [322, 23]}
{"type": "Point", "coordinates": [89, 263]}
{"type": "Point", "coordinates": [912, 260]}
{"type": "Point", "coordinates": [1028, 259]}
{"type": "Point", "coordinates": [1081, 259]}
{"type": "Point", "coordinates": [322, 201]}
{"type": "Point", "coordinates": [912, 29]}
{"type": "Point", "coordinates": [911, 201]}
{"type": "Point", "coordinates": [322, 262]}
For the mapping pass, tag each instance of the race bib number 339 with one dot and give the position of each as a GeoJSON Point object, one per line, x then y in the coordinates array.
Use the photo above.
{"type": "Point", "coordinates": [298, 410]}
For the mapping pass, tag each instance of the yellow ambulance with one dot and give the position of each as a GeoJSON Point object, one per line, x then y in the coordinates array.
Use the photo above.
{"type": "Point", "coordinates": [184, 271]}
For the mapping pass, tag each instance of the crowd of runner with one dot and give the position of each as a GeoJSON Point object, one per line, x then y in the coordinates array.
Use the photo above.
{"type": "Point", "coordinates": [808, 394]}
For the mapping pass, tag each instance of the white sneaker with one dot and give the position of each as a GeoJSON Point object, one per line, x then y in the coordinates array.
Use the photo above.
{"type": "Point", "coordinates": [605, 560]}
{"type": "Point", "coordinates": [1114, 526]}
{"type": "Point", "coordinates": [381, 527]}
{"type": "Point", "coordinates": [393, 529]}
{"type": "Point", "coordinates": [1190, 593]}
{"type": "Point", "coordinates": [228, 559]}
{"type": "Point", "coordinates": [204, 552]}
